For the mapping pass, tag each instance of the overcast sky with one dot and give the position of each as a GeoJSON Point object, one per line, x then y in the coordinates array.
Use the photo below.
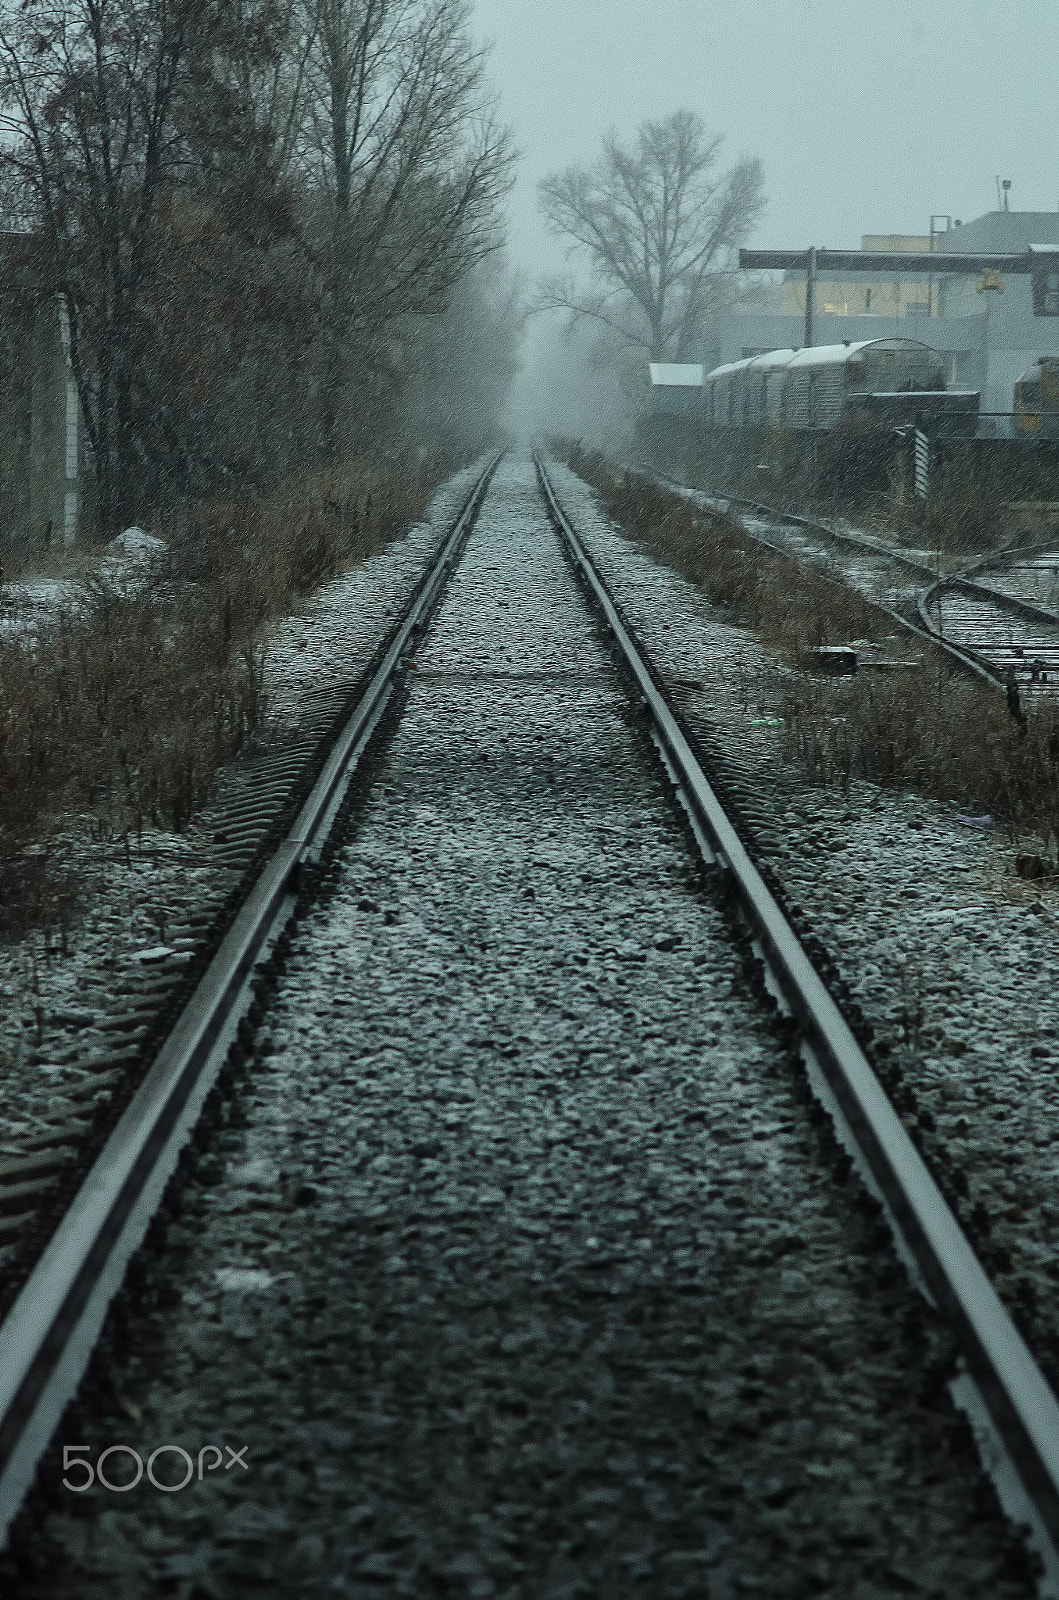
{"type": "Point", "coordinates": [868, 114]}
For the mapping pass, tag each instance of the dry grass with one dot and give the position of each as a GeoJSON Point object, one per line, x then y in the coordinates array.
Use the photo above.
{"type": "Point", "coordinates": [791, 607]}
{"type": "Point", "coordinates": [119, 713]}
{"type": "Point", "coordinates": [955, 523]}
{"type": "Point", "coordinates": [961, 524]}
{"type": "Point", "coordinates": [260, 553]}
{"type": "Point", "coordinates": [934, 733]}
{"type": "Point", "coordinates": [849, 472]}
{"type": "Point", "coordinates": [924, 729]}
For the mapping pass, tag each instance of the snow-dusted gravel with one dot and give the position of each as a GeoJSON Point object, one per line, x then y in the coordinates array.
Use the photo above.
{"type": "Point", "coordinates": [867, 564]}
{"type": "Point", "coordinates": [1033, 576]}
{"type": "Point", "coordinates": [70, 1008]}
{"type": "Point", "coordinates": [528, 1275]}
{"type": "Point", "coordinates": [949, 955]}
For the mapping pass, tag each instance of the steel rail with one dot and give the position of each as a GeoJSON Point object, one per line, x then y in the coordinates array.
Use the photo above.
{"type": "Point", "coordinates": [1020, 1404]}
{"type": "Point", "coordinates": [840, 535]}
{"type": "Point", "coordinates": [977, 660]}
{"type": "Point", "coordinates": [924, 629]}
{"type": "Point", "coordinates": [974, 661]}
{"type": "Point", "coordinates": [1002, 600]}
{"type": "Point", "coordinates": [47, 1339]}
{"type": "Point", "coordinates": [955, 580]}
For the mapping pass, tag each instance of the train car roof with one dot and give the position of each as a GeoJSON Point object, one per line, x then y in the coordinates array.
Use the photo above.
{"type": "Point", "coordinates": [772, 358]}
{"type": "Point", "coordinates": [819, 355]}
{"type": "Point", "coordinates": [725, 367]}
{"type": "Point", "coordinates": [746, 362]}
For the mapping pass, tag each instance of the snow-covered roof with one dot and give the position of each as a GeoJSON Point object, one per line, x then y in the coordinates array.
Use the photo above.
{"type": "Point", "coordinates": [771, 358]}
{"type": "Point", "coordinates": [676, 374]}
{"type": "Point", "coordinates": [819, 355]}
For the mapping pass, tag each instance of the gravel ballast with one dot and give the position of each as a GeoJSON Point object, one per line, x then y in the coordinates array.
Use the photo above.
{"type": "Point", "coordinates": [71, 1004]}
{"type": "Point", "coordinates": [948, 953]}
{"type": "Point", "coordinates": [532, 1272]}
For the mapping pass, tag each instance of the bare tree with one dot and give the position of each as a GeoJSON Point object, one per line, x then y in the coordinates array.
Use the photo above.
{"type": "Point", "coordinates": [401, 137]}
{"type": "Point", "coordinates": [104, 102]}
{"type": "Point", "coordinates": [405, 166]}
{"type": "Point", "coordinates": [659, 224]}
{"type": "Point", "coordinates": [243, 202]}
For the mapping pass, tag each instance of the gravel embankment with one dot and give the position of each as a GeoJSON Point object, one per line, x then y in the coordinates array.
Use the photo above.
{"type": "Point", "coordinates": [950, 956]}
{"type": "Point", "coordinates": [866, 565]}
{"type": "Point", "coordinates": [528, 1275]}
{"type": "Point", "coordinates": [58, 1002]}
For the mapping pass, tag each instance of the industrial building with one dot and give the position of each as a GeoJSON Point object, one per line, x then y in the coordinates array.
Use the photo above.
{"type": "Point", "coordinates": [992, 325]}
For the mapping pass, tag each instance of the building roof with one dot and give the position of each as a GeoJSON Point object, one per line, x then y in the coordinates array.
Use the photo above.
{"type": "Point", "coordinates": [1003, 230]}
{"type": "Point", "coordinates": [921, 242]}
{"type": "Point", "coordinates": [676, 374]}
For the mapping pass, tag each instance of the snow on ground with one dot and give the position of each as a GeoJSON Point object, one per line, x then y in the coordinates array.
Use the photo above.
{"type": "Point", "coordinates": [136, 891]}
{"type": "Point", "coordinates": [950, 956]}
{"type": "Point", "coordinates": [130, 563]}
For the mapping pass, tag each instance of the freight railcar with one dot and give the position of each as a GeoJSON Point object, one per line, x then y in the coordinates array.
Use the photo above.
{"type": "Point", "coordinates": [814, 388]}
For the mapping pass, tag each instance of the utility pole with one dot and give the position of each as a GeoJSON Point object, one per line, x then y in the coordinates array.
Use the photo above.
{"type": "Point", "coordinates": [810, 295]}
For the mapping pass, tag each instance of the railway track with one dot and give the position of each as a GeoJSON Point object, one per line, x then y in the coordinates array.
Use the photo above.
{"type": "Point", "coordinates": [1016, 639]}
{"type": "Point", "coordinates": [543, 706]}
{"type": "Point", "coordinates": [49, 1332]}
{"type": "Point", "coordinates": [1001, 630]}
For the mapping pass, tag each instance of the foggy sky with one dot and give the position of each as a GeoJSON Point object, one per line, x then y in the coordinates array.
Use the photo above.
{"type": "Point", "coordinates": [868, 114]}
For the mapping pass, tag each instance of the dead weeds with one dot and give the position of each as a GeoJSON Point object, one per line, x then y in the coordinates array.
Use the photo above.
{"type": "Point", "coordinates": [922, 728]}
{"type": "Point", "coordinates": [120, 710]}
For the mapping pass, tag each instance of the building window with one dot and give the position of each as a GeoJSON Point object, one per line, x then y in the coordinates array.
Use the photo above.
{"type": "Point", "coordinates": [917, 308]}
{"type": "Point", "coordinates": [1045, 291]}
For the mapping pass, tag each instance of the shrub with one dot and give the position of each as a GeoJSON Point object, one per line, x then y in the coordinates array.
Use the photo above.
{"type": "Point", "coordinates": [120, 710]}
{"type": "Point", "coordinates": [927, 729]}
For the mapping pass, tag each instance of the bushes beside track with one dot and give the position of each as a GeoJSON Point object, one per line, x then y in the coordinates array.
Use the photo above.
{"type": "Point", "coordinates": [116, 713]}
{"type": "Point", "coordinates": [928, 729]}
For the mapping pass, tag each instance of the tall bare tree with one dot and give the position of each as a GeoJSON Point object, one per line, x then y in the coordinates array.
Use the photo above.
{"type": "Point", "coordinates": [104, 106]}
{"type": "Point", "coordinates": [395, 134]}
{"type": "Point", "coordinates": [400, 136]}
{"type": "Point", "coordinates": [243, 202]}
{"type": "Point", "coordinates": [658, 224]}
